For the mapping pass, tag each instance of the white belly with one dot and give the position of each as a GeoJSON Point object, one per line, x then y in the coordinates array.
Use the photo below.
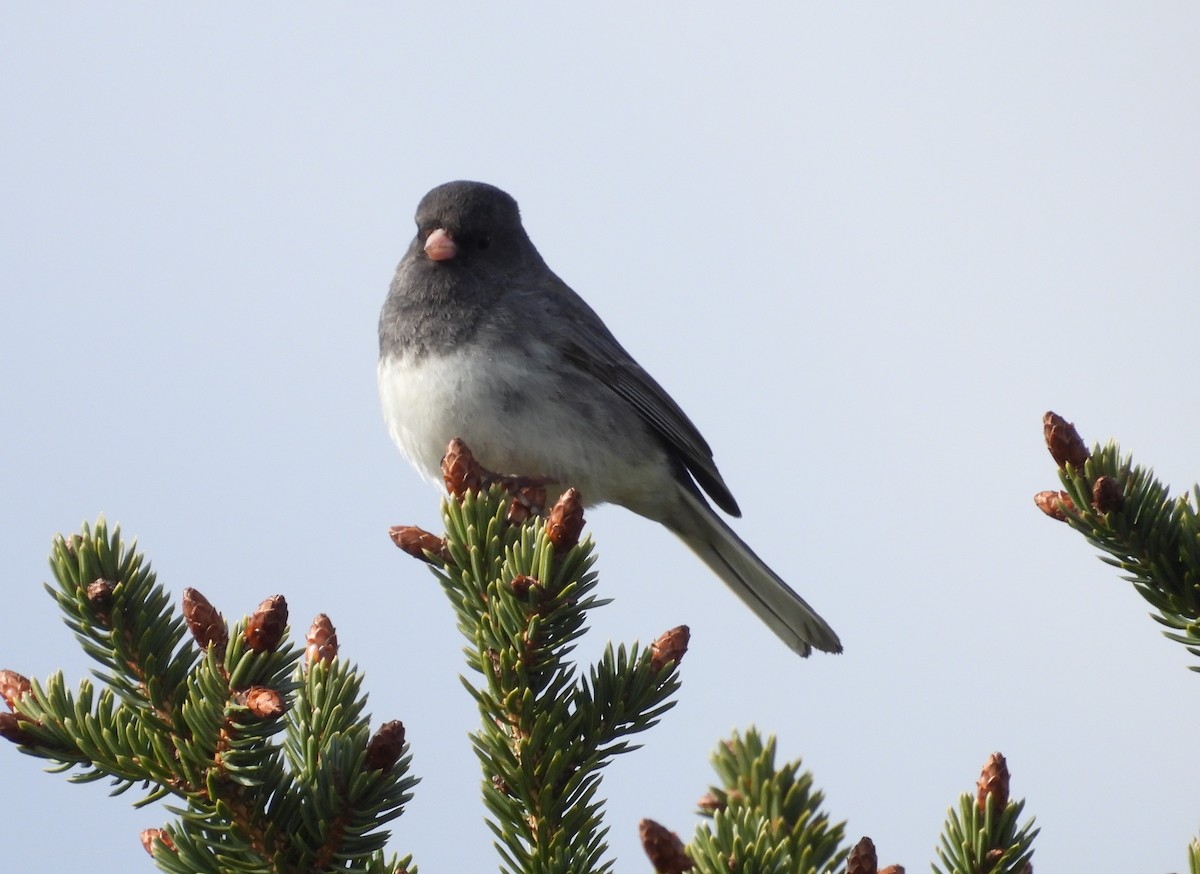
{"type": "Point", "coordinates": [515, 417]}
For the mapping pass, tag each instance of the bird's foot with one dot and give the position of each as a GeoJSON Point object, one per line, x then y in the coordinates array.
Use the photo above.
{"type": "Point", "coordinates": [528, 494]}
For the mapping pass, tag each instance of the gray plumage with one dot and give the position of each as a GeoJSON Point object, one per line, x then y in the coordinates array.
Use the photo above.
{"type": "Point", "coordinates": [479, 339]}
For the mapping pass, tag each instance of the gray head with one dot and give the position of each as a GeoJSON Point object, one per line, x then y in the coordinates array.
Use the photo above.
{"type": "Point", "coordinates": [470, 251]}
{"type": "Point", "coordinates": [470, 226]}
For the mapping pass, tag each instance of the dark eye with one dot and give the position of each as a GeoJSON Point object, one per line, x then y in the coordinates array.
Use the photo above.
{"type": "Point", "coordinates": [483, 241]}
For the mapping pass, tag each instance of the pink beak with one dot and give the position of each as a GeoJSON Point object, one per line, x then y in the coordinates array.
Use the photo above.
{"type": "Point", "coordinates": [440, 246]}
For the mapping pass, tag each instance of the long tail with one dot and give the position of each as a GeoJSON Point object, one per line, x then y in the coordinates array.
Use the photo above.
{"type": "Point", "coordinates": [771, 599]}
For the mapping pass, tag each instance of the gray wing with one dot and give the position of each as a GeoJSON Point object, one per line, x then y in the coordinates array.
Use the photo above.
{"type": "Point", "coordinates": [593, 349]}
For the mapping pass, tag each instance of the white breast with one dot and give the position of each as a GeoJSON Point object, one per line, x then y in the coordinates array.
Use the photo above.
{"type": "Point", "coordinates": [520, 415]}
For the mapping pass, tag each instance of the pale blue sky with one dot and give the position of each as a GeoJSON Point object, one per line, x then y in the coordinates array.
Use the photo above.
{"type": "Point", "coordinates": [865, 246]}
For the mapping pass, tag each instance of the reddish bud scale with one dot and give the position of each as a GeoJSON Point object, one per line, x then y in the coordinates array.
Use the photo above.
{"type": "Point", "coordinates": [460, 470]}
{"type": "Point", "coordinates": [1054, 504]}
{"type": "Point", "coordinates": [710, 803]}
{"type": "Point", "coordinates": [862, 858]}
{"type": "Point", "coordinates": [565, 522]}
{"type": "Point", "coordinates": [12, 728]}
{"type": "Point", "coordinates": [663, 848]}
{"type": "Point", "coordinates": [267, 624]}
{"type": "Point", "coordinates": [1064, 442]}
{"type": "Point", "coordinates": [1107, 496]}
{"type": "Point", "coordinates": [892, 869]}
{"type": "Point", "coordinates": [417, 541]}
{"type": "Point", "coordinates": [994, 781]}
{"type": "Point", "coordinates": [263, 702]}
{"type": "Point", "coordinates": [206, 624]}
{"type": "Point", "coordinates": [386, 747]}
{"type": "Point", "coordinates": [13, 687]}
{"type": "Point", "coordinates": [669, 647]}
{"type": "Point", "coordinates": [148, 836]}
{"type": "Point", "coordinates": [521, 585]}
{"type": "Point", "coordinates": [321, 639]}
{"type": "Point", "coordinates": [100, 594]}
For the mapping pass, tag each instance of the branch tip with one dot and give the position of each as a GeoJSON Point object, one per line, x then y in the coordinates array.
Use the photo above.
{"type": "Point", "coordinates": [386, 747]}
{"type": "Point", "coordinates": [12, 729]}
{"type": "Point", "coordinates": [669, 647]}
{"type": "Point", "coordinates": [664, 848]}
{"type": "Point", "coordinates": [993, 781]}
{"type": "Point", "coordinates": [321, 639]}
{"type": "Point", "coordinates": [1064, 442]}
{"type": "Point", "coordinates": [204, 621]}
{"type": "Point", "coordinates": [417, 541]}
{"type": "Point", "coordinates": [565, 523]}
{"type": "Point", "coordinates": [862, 858]}
{"type": "Point", "coordinates": [461, 472]}
{"type": "Point", "coordinates": [267, 624]}
{"type": "Point", "coordinates": [1054, 504]}
{"type": "Point", "coordinates": [13, 687]}
{"type": "Point", "coordinates": [150, 835]}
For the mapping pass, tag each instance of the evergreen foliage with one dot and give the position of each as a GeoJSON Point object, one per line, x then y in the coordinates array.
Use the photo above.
{"type": "Point", "coordinates": [264, 748]}
{"type": "Point", "coordinates": [1125, 511]}
{"type": "Point", "coordinates": [203, 726]}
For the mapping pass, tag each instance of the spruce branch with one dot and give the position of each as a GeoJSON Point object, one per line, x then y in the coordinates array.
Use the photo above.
{"type": "Point", "coordinates": [1126, 512]}
{"type": "Point", "coordinates": [763, 817]}
{"type": "Point", "coordinates": [982, 835]}
{"type": "Point", "coordinates": [521, 588]}
{"type": "Point", "coordinates": [200, 719]}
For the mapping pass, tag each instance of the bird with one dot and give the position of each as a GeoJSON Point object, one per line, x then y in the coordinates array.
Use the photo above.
{"type": "Point", "coordinates": [480, 340]}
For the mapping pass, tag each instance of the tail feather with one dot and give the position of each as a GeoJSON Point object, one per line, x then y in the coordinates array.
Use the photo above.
{"type": "Point", "coordinates": [771, 599]}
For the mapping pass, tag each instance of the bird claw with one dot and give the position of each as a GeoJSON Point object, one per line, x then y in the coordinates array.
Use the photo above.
{"type": "Point", "coordinates": [528, 494]}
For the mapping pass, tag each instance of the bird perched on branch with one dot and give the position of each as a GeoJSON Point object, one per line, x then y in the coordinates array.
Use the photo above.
{"type": "Point", "coordinates": [478, 339]}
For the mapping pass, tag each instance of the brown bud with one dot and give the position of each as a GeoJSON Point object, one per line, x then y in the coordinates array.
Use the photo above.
{"type": "Point", "coordinates": [151, 834]}
{"type": "Point", "coordinates": [663, 848]}
{"type": "Point", "coordinates": [1064, 442]}
{"type": "Point", "coordinates": [100, 594]}
{"type": "Point", "coordinates": [862, 858]}
{"type": "Point", "coordinates": [460, 470]}
{"type": "Point", "coordinates": [386, 747]}
{"type": "Point", "coordinates": [521, 585]}
{"type": "Point", "coordinates": [710, 803]}
{"type": "Point", "coordinates": [13, 687]}
{"type": "Point", "coordinates": [993, 781]}
{"type": "Point", "coordinates": [1107, 496]}
{"type": "Point", "coordinates": [669, 647]}
{"type": "Point", "coordinates": [267, 624]}
{"type": "Point", "coordinates": [892, 869]}
{"type": "Point", "coordinates": [203, 620]}
{"type": "Point", "coordinates": [321, 639]}
{"type": "Point", "coordinates": [263, 702]}
{"type": "Point", "coordinates": [1054, 504]}
{"type": "Point", "coordinates": [12, 728]}
{"type": "Point", "coordinates": [417, 541]}
{"type": "Point", "coordinates": [565, 523]}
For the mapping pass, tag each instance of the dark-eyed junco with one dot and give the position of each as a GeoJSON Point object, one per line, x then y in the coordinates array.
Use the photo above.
{"type": "Point", "coordinates": [478, 339]}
